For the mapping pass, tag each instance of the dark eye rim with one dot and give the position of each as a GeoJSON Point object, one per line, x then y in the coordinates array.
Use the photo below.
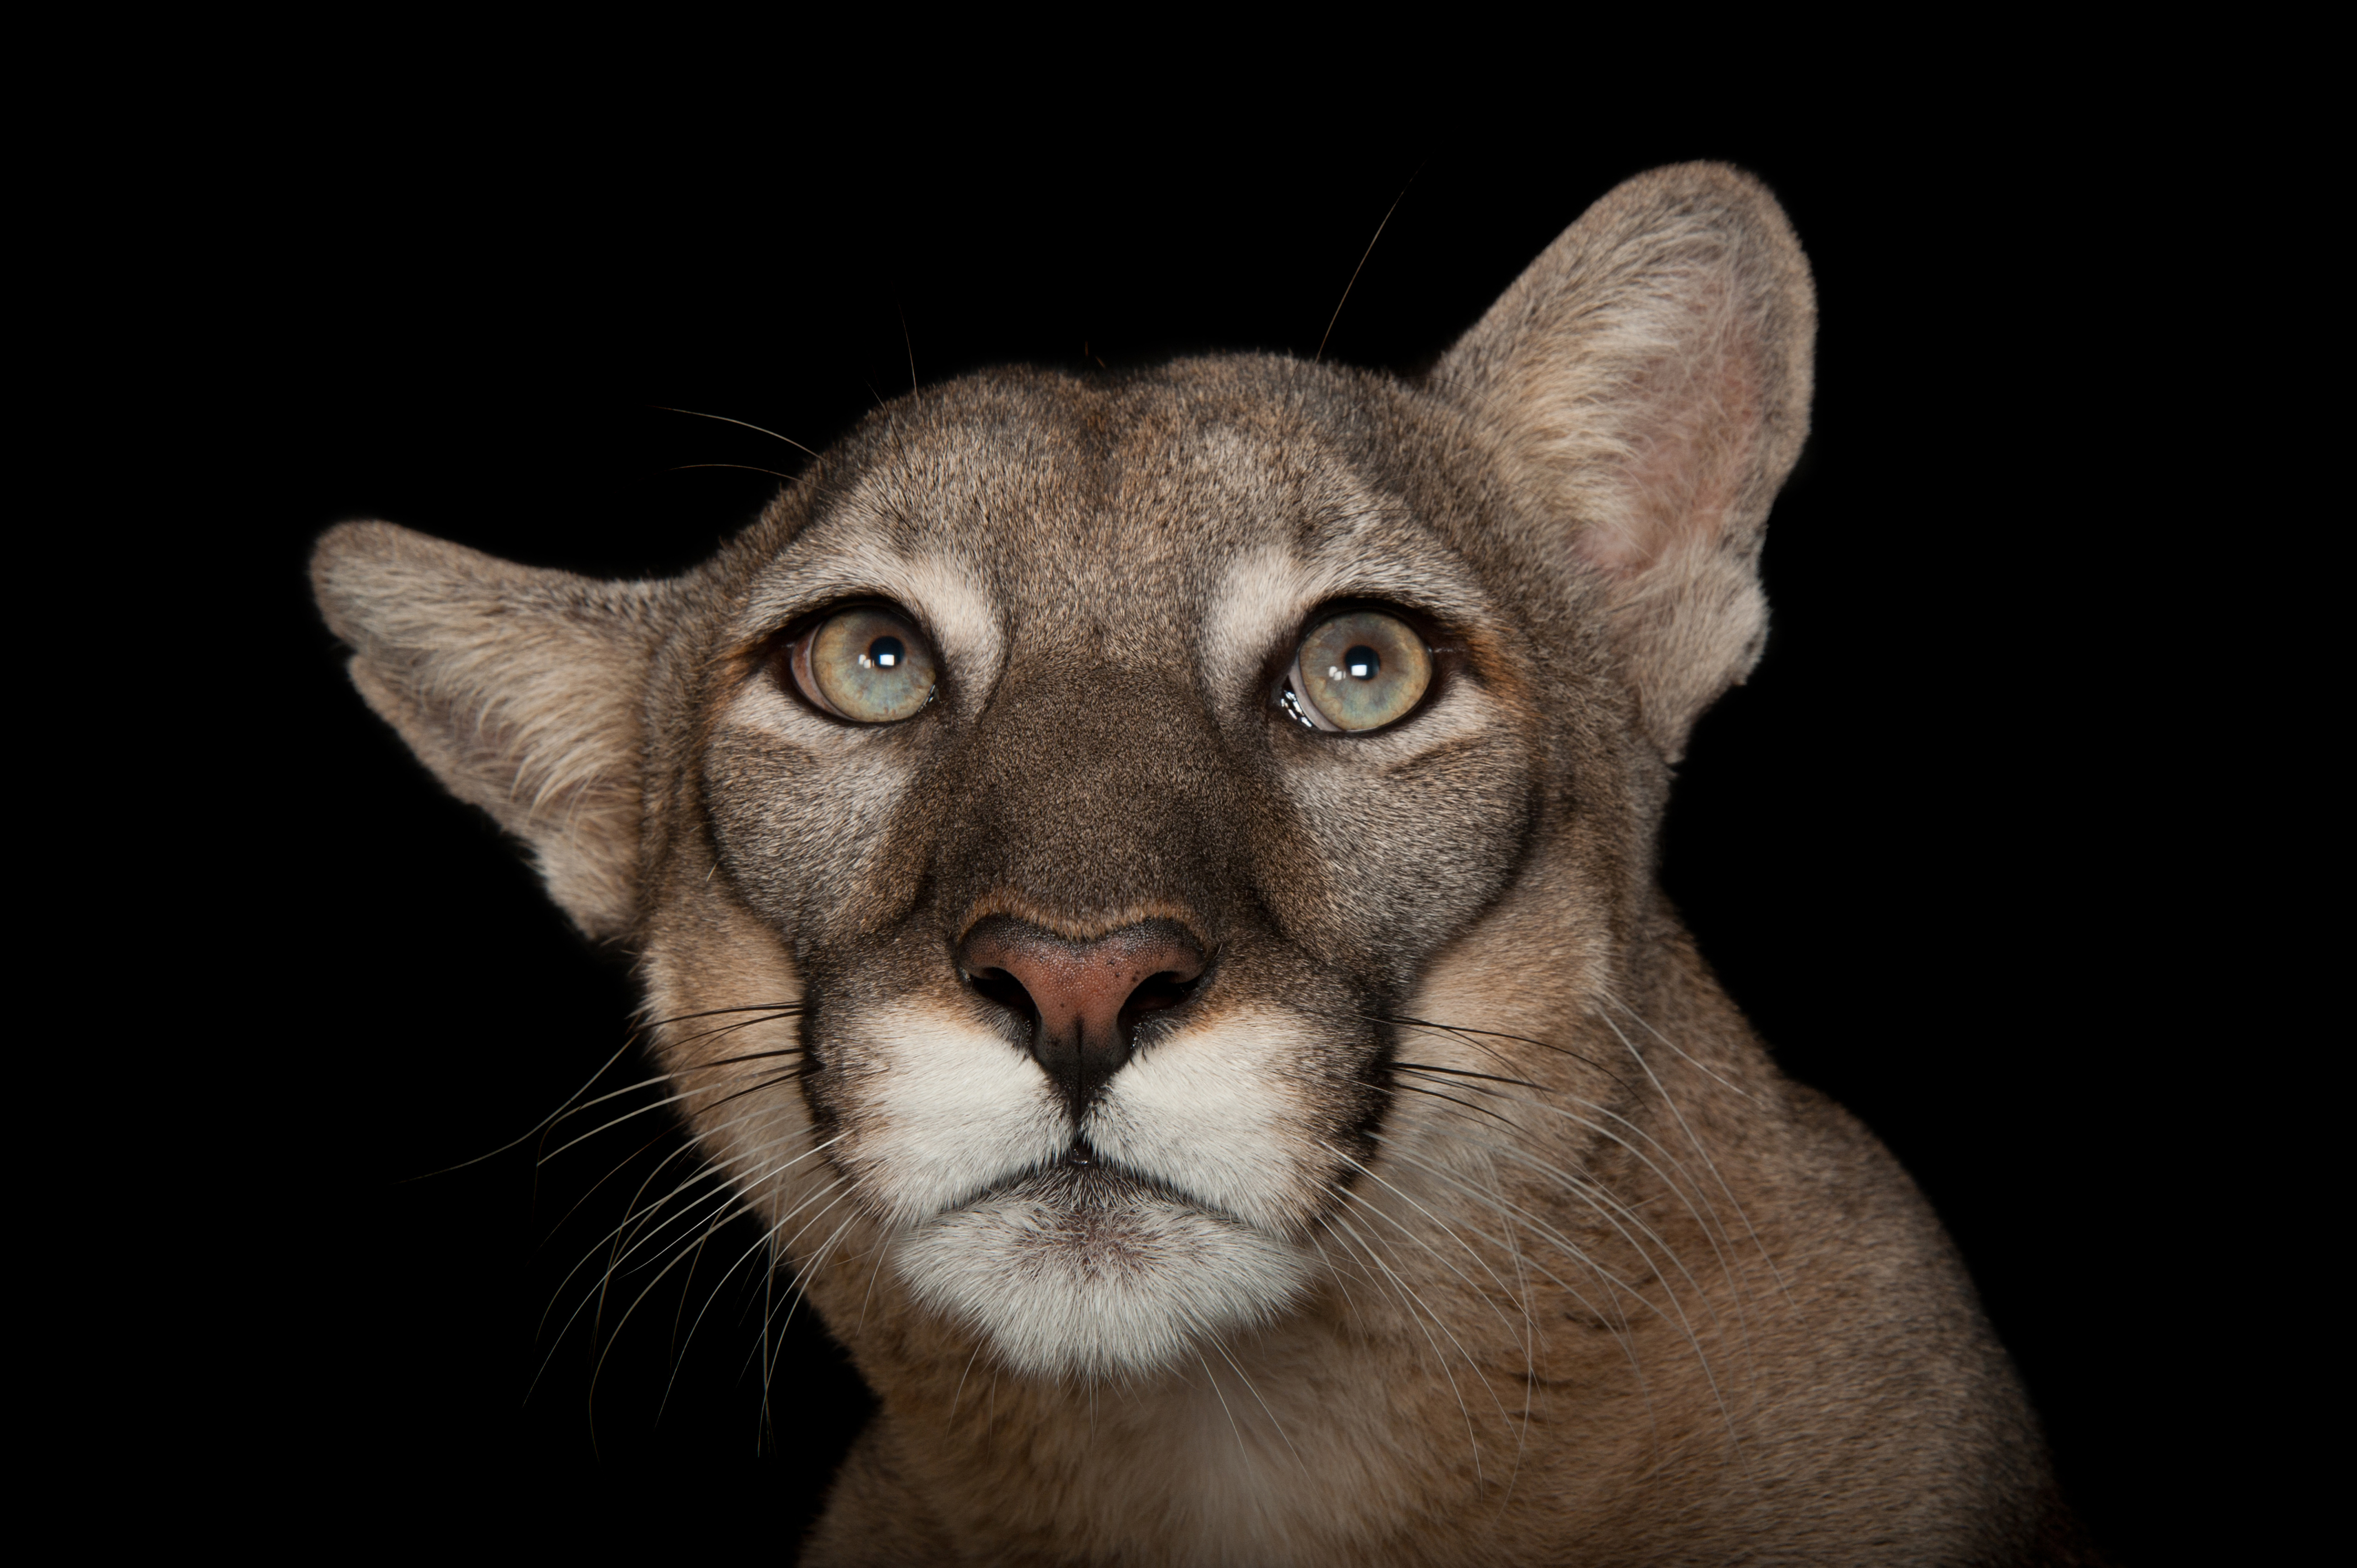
{"type": "Point", "coordinates": [777, 650]}
{"type": "Point", "coordinates": [1442, 647]}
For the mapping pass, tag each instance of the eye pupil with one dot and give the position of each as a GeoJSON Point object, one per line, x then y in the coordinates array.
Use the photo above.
{"type": "Point", "coordinates": [1358, 669]}
{"type": "Point", "coordinates": [867, 664]}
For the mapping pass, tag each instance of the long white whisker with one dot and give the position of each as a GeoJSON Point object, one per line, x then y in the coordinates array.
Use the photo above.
{"type": "Point", "coordinates": [1706, 1218]}
{"type": "Point", "coordinates": [1710, 1237]}
{"type": "Point", "coordinates": [1700, 1066]}
{"type": "Point", "coordinates": [1210, 1377]}
{"type": "Point", "coordinates": [840, 1186]}
{"type": "Point", "coordinates": [1441, 1356]}
{"type": "Point", "coordinates": [960, 1393]}
{"type": "Point", "coordinates": [678, 1348]}
{"type": "Point", "coordinates": [537, 1127]}
{"type": "Point", "coordinates": [1764, 1257]}
{"type": "Point", "coordinates": [1666, 1153]}
{"type": "Point", "coordinates": [711, 1172]}
{"type": "Point", "coordinates": [741, 1259]}
{"type": "Point", "coordinates": [667, 1100]}
{"type": "Point", "coordinates": [1245, 1378]}
{"type": "Point", "coordinates": [1508, 1211]}
{"type": "Point", "coordinates": [802, 1289]}
{"type": "Point", "coordinates": [724, 419]}
{"type": "Point", "coordinates": [1579, 1190]}
{"type": "Point", "coordinates": [1445, 1230]}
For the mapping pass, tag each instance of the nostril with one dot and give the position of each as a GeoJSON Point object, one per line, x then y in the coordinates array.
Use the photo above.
{"type": "Point", "coordinates": [1154, 994]}
{"type": "Point", "coordinates": [997, 985]}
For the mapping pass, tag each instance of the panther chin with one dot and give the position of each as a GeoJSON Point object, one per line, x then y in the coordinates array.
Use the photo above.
{"type": "Point", "coordinates": [1083, 1273]}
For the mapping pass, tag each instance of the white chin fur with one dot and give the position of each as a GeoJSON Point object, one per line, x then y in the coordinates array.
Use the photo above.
{"type": "Point", "coordinates": [1068, 1278]}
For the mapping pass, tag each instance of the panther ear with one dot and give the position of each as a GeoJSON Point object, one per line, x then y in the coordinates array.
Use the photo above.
{"type": "Point", "coordinates": [1649, 377]}
{"type": "Point", "coordinates": [522, 690]}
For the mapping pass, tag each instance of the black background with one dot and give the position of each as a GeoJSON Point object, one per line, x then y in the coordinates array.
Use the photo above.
{"type": "Point", "coordinates": [1938, 848]}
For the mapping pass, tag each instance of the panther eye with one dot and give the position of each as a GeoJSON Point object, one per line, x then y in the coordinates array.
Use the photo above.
{"type": "Point", "coordinates": [1358, 670]}
{"type": "Point", "coordinates": [868, 665]}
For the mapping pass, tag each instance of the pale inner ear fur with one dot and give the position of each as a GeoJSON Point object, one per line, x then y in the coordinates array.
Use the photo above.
{"type": "Point", "coordinates": [1649, 379]}
{"type": "Point", "coordinates": [521, 689]}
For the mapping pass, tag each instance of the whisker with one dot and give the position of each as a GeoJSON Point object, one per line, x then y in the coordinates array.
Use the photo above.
{"type": "Point", "coordinates": [1245, 1378]}
{"type": "Point", "coordinates": [725, 1196]}
{"type": "Point", "coordinates": [1417, 1313]}
{"type": "Point", "coordinates": [724, 419]}
{"type": "Point", "coordinates": [1463, 1032]}
{"type": "Point", "coordinates": [1699, 1066]}
{"type": "Point", "coordinates": [1709, 1235]}
{"type": "Point", "coordinates": [1347, 287]}
{"type": "Point", "coordinates": [658, 1105]}
{"type": "Point", "coordinates": [648, 1083]}
{"type": "Point", "coordinates": [960, 1392]}
{"type": "Point", "coordinates": [739, 1263]}
{"type": "Point", "coordinates": [575, 1105]}
{"type": "Point", "coordinates": [598, 1370]}
{"type": "Point", "coordinates": [1614, 1319]}
{"type": "Point", "coordinates": [1708, 1163]}
{"type": "Point", "coordinates": [1583, 1189]}
{"type": "Point", "coordinates": [802, 1289]}
{"type": "Point", "coordinates": [1733, 1202]}
{"type": "Point", "coordinates": [780, 1007]}
{"type": "Point", "coordinates": [748, 467]}
{"type": "Point", "coordinates": [1705, 1216]}
{"type": "Point", "coordinates": [1209, 1377]}
{"type": "Point", "coordinates": [1539, 1227]}
{"type": "Point", "coordinates": [1481, 1110]}
{"type": "Point", "coordinates": [1463, 1073]}
{"type": "Point", "coordinates": [678, 1350]}
{"type": "Point", "coordinates": [1587, 1193]}
{"type": "Point", "coordinates": [1446, 1231]}
{"type": "Point", "coordinates": [1437, 1220]}
{"type": "Point", "coordinates": [623, 1164]}
{"type": "Point", "coordinates": [535, 1128]}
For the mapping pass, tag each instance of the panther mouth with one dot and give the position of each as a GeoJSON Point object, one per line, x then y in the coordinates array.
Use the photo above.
{"type": "Point", "coordinates": [1089, 1270]}
{"type": "Point", "coordinates": [1087, 1191]}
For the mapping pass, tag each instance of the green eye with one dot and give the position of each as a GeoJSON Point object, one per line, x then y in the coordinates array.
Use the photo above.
{"type": "Point", "coordinates": [1359, 670]}
{"type": "Point", "coordinates": [867, 665]}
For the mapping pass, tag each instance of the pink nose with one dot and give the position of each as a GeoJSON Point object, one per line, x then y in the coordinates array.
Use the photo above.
{"type": "Point", "coordinates": [1082, 1000]}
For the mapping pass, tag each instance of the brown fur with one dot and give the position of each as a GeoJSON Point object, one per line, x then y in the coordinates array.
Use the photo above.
{"type": "Point", "coordinates": [1457, 1217]}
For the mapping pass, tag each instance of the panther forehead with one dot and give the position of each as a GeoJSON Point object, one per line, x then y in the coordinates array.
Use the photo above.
{"type": "Point", "coordinates": [1147, 475]}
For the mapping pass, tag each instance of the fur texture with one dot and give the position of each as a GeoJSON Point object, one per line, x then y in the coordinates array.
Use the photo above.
{"type": "Point", "coordinates": [1453, 1216]}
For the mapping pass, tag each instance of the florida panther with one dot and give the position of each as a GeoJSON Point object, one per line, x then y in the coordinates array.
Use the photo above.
{"type": "Point", "coordinates": [1145, 887]}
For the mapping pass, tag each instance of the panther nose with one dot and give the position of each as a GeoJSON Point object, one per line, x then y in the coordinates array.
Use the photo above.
{"type": "Point", "coordinates": [1082, 1000]}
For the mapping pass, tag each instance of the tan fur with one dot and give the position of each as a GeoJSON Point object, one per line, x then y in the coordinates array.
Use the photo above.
{"type": "Point", "coordinates": [1457, 1217]}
